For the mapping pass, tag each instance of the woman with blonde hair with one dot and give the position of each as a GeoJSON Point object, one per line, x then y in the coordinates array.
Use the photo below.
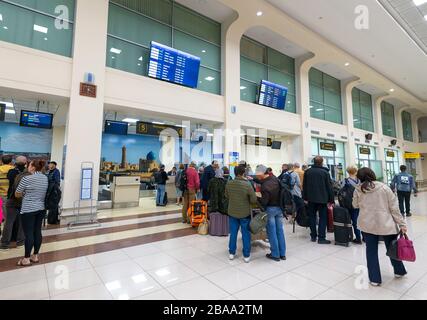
{"type": "Point", "coordinates": [351, 183]}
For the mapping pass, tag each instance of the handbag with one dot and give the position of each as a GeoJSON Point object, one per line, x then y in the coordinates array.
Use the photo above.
{"type": "Point", "coordinates": [392, 251]}
{"type": "Point", "coordinates": [405, 249]}
{"type": "Point", "coordinates": [258, 222]}
{"type": "Point", "coordinates": [203, 228]}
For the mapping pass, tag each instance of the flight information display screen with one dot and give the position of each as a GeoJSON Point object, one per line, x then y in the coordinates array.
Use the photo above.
{"type": "Point", "coordinates": [273, 95]}
{"type": "Point", "coordinates": [36, 119]}
{"type": "Point", "coordinates": [173, 65]}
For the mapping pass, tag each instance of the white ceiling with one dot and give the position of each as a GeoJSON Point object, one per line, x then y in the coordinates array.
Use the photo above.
{"type": "Point", "coordinates": [209, 8]}
{"type": "Point", "coordinates": [385, 46]}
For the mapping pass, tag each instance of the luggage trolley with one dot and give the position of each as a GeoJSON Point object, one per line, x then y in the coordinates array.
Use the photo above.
{"type": "Point", "coordinates": [88, 219]}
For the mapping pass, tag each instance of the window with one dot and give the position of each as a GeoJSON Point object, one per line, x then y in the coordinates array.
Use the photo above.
{"type": "Point", "coordinates": [31, 23]}
{"type": "Point", "coordinates": [362, 110]}
{"type": "Point", "coordinates": [389, 123]}
{"type": "Point", "coordinates": [325, 97]}
{"type": "Point", "coordinates": [407, 126]}
{"type": "Point", "coordinates": [259, 62]}
{"type": "Point", "coordinates": [132, 25]}
{"type": "Point", "coordinates": [369, 160]}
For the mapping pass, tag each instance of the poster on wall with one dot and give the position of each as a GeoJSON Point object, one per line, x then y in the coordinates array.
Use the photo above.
{"type": "Point", "coordinates": [234, 162]}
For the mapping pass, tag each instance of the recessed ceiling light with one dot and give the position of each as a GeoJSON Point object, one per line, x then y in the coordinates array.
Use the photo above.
{"type": "Point", "coordinates": [1, 17]}
{"type": "Point", "coordinates": [45, 39]}
{"type": "Point", "coordinates": [419, 2]}
{"type": "Point", "coordinates": [242, 88]}
{"type": "Point", "coordinates": [130, 120]}
{"type": "Point", "coordinates": [209, 78]}
{"type": "Point", "coordinates": [318, 110]}
{"type": "Point", "coordinates": [5, 28]}
{"type": "Point", "coordinates": [10, 111]}
{"type": "Point", "coordinates": [259, 13]}
{"type": "Point", "coordinates": [425, 17]}
{"type": "Point", "coordinates": [391, 90]}
{"type": "Point", "coordinates": [158, 122]}
{"type": "Point", "coordinates": [116, 51]}
{"type": "Point", "coordinates": [40, 28]}
{"type": "Point", "coordinates": [203, 51]}
{"type": "Point", "coordinates": [140, 58]}
{"type": "Point", "coordinates": [347, 64]}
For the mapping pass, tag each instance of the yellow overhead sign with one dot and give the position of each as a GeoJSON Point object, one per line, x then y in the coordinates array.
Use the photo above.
{"type": "Point", "coordinates": [411, 155]}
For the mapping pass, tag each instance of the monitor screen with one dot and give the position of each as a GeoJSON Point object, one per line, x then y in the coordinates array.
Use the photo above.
{"type": "Point", "coordinates": [36, 119]}
{"type": "Point", "coordinates": [173, 65]}
{"type": "Point", "coordinates": [277, 145]}
{"type": "Point", "coordinates": [272, 95]}
{"type": "Point", "coordinates": [116, 127]}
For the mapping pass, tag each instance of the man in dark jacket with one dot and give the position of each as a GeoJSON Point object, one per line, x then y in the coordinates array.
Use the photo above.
{"type": "Point", "coordinates": [161, 178]}
{"type": "Point", "coordinates": [318, 192]}
{"type": "Point", "coordinates": [208, 175]}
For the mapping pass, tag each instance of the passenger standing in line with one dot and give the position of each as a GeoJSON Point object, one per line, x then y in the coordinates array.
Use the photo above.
{"type": "Point", "coordinates": [216, 188]}
{"type": "Point", "coordinates": [241, 196]}
{"type": "Point", "coordinates": [269, 198]}
{"type": "Point", "coordinates": [32, 189]}
{"type": "Point", "coordinates": [353, 182]}
{"type": "Point", "coordinates": [5, 167]}
{"type": "Point", "coordinates": [404, 183]}
{"type": "Point", "coordinates": [13, 206]}
{"type": "Point", "coordinates": [173, 172]}
{"type": "Point", "coordinates": [54, 178]}
{"type": "Point", "coordinates": [295, 187]}
{"type": "Point", "coordinates": [318, 192]}
{"type": "Point", "coordinates": [193, 186]}
{"type": "Point", "coordinates": [178, 184]}
{"type": "Point", "coordinates": [299, 172]}
{"type": "Point", "coordinates": [379, 216]}
{"type": "Point", "coordinates": [161, 179]}
{"type": "Point", "coordinates": [207, 176]}
{"type": "Point", "coordinates": [284, 170]}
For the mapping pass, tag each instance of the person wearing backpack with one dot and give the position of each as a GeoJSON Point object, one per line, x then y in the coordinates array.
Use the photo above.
{"type": "Point", "coordinates": [404, 184]}
{"type": "Point", "coordinates": [178, 184]}
{"type": "Point", "coordinates": [317, 193]}
{"type": "Point", "coordinates": [54, 193]}
{"type": "Point", "coordinates": [161, 177]}
{"type": "Point", "coordinates": [269, 198]}
{"type": "Point", "coordinates": [292, 180]}
{"type": "Point", "coordinates": [345, 197]}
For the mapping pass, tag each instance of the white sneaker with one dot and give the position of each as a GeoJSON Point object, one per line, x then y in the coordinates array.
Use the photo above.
{"type": "Point", "coordinates": [398, 276]}
{"type": "Point", "coordinates": [374, 284]}
{"type": "Point", "coordinates": [231, 257]}
{"type": "Point", "coordinates": [247, 260]}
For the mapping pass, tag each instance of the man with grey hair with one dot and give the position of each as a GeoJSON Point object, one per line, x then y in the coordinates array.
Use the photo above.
{"type": "Point", "coordinates": [13, 205]}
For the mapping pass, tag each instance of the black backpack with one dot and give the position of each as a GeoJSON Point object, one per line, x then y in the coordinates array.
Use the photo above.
{"type": "Point", "coordinates": [288, 181]}
{"type": "Point", "coordinates": [287, 203]}
{"type": "Point", "coordinates": [345, 195]}
{"type": "Point", "coordinates": [53, 196]}
{"type": "Point", "coordinates": [302, 218]}
{"type": "Point", "coordinates": [183, 180]}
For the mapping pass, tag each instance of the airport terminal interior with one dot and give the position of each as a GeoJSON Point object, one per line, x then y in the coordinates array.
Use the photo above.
{"type": "Point", "coordinates": [113, 91]}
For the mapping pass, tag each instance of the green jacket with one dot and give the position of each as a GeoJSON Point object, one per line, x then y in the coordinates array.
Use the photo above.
{"type": "Point", "coordinates": [217, 200]}
{"type": "Point", "coordinates": [241, 196]}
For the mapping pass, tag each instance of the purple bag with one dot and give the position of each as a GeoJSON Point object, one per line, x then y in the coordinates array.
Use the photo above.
{"type": "Point", "coordinates": [218, 225]}
{"type": "Point", "coordinates": [405, 249]}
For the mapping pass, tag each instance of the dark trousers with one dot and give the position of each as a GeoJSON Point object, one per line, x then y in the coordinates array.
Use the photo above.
{"type": "Point", "coordinates": [354, 217]}
{"type": "Point", "coordinates": [32, 225]}
{"type": "Point", "coordinates": [313, 208]}
{"type": "Point", "coordinates": [404, 201]}
{"type": "Point", "coordinates": [372, 257]}
{"type": "Point", "coordinates": [53, 216]}
{"type": "Point", "coordinates": [13, 218]}
{"type": "Point", "coordinates": [299, 203]}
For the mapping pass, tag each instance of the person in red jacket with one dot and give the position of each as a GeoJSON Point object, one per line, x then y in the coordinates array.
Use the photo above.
{"type": "Point", "coordinates": [193, 186]}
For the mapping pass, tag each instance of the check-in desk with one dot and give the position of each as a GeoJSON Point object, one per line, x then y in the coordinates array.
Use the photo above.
{"type": "Point", "coordinates": [125, 191]}
{"type": "Point", "coordinates": [171, 189]}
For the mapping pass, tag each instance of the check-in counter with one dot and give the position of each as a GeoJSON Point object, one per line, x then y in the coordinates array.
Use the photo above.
{"type": "Point", "coordinates": [171, 189]}
{"type": "Point", "coordinates": [125, 191]}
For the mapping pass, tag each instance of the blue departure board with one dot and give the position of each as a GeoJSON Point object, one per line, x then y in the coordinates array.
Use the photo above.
{"type": "Point", "coordinates": [173, 65]}
{"type": "Point", "coordinates": [36, 119]}
{"type": "Point", "coordinates": [272, 95]}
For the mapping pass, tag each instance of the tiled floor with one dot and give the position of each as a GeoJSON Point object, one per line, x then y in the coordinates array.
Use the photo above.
{"type": "Point", "coordinates": [197, 267]}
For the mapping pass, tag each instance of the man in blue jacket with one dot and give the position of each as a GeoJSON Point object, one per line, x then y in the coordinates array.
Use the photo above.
{"type": "Point", "coordinates": [404, 183]}
{"type": "Point", "coordinates": [208, 175]}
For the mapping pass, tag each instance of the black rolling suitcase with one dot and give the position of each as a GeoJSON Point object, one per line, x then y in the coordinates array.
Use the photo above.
{"type": "Point", "coordinates": [343, 228]}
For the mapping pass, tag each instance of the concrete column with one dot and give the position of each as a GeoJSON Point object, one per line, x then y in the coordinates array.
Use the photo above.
{"type": "Point", "coordinates": [85, 116]}
{"type": "Point", "coordinates": [347, 98]}
{"type": "Point", "coordinates": [302, 68]}
{"type": "Point", "coordinates": [58, 141]}
{"type": "Point", "coordinates": [379, 129]}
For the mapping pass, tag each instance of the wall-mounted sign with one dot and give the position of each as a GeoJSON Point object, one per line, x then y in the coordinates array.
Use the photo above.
{"type": "Point", "coordinates": [328, 146]}
{"type": "Point", "coordinates": [390, 154]}
{"type": "Point", "coordinates": [88, 90]}
{"type": "Point", "coordinates": [364, 150]}
{"type": "Point", "coordinates": [258, 141]}
{"type": "Point", "coordinates": [151, 129]}
{"type": "Point", "coordinates": [412, 155]}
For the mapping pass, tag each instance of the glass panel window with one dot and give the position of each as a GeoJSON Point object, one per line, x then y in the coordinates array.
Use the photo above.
{"type": "Point", "coordinates": [37, 30]}
{"type": "Point", "coordinates": [248, 91]}
{"type": "Point", "coordinates": [259, 62]}
{"type": "Point", "coordinates": [407, 126]}
{"type": "Point", "coordinates": [134, 24]}
{"type": "Point", "coordinates": [48, 6]}
{"type": "Point", "coordinates": [325, 97]}
{"type": "Point", "coordinates": [362, 110]}
{"type": "Point", "coordinates": [388, 119]}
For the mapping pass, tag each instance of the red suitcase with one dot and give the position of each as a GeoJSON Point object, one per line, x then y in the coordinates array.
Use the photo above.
{"type": "Point", "coordinates": [331, 207]}
{"type": "Point", "coordinates": [218, 224]}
